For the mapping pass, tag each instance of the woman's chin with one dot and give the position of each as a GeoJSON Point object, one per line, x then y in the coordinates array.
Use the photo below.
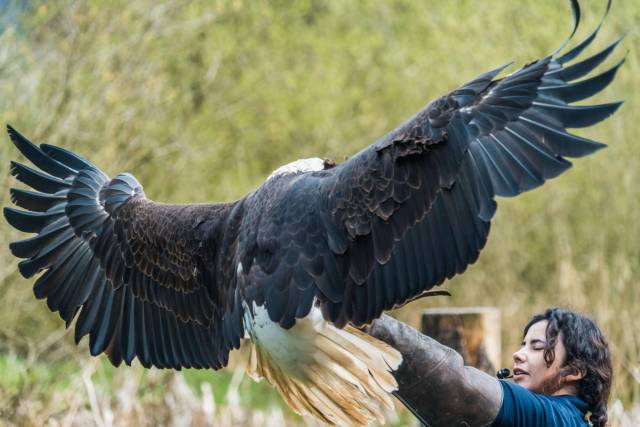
{"type": "Point", "coordinates": [521, 381]}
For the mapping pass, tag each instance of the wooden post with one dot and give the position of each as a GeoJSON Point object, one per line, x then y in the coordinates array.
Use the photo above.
{"type": "Point", "coordinates": [474, 332]}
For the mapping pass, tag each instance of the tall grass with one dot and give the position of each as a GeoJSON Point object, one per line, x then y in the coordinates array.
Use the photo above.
{"type": "Point", "coordinates": [201, 100]}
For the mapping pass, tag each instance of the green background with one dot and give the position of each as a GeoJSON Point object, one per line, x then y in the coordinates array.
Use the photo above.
{"type": "Point", "coordinates": [202, 100]}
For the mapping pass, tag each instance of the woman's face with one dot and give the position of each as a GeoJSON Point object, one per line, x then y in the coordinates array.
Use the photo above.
{"type": "Point", "coordinates": [529, 368]}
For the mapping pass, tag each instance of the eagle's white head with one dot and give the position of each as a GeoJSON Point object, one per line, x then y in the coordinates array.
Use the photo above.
{"type": "Point", "coordinates": [303, 165]}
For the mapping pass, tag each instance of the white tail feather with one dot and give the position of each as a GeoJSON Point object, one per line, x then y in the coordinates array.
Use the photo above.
{"type": "Point", "coordinates": [340, 376]}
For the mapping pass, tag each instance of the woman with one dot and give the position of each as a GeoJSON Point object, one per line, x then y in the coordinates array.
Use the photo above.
{"type": "Point", "coordinates": [562, 376]}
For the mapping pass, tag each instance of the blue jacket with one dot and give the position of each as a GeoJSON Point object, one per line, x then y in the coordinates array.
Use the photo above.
{"type": "Point", "coordinates": [522, 408]}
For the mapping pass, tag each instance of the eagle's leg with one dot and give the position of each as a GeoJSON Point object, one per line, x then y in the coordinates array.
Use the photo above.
{"type": "Point", "coordinates": [340, 376]}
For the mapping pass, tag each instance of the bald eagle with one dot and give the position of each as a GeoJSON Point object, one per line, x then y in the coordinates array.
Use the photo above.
{"type": "Point", "coordinates": [293, 268]}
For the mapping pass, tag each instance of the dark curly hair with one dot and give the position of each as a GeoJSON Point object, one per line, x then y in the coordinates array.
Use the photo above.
{"type": "Point", "coordinates": [587, 352]}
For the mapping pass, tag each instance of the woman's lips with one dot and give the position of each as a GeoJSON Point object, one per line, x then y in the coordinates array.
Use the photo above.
{"type": "Point", "coordinates": [519, 373]}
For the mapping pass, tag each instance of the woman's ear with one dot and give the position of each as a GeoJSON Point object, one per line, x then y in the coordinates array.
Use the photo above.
{"type": "Point", "coordinates": [574, 374]}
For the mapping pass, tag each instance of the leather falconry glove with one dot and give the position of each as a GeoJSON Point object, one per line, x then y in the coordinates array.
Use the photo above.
{"type": "Point", "coordinates": [433, 381]}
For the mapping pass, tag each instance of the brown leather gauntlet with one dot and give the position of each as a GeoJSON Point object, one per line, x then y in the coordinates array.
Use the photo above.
{"type": "Point", "coordinates": [433, 381]}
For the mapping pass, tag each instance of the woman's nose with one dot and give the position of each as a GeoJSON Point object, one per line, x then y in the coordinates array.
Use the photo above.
{"type": "Point", "coordinates": [519, 356]}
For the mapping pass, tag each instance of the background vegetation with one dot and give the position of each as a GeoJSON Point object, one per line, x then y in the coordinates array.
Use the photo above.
{"type": "Point", "coordinates": [201, 100]}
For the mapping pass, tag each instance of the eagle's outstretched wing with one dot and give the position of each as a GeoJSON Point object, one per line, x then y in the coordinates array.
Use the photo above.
{"type": "Point", "coordinates": [415, 207]}
{"type": "Point", "coordinates": [142, 275]}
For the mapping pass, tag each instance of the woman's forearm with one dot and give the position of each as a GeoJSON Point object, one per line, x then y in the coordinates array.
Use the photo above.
{"type": "Point", "coordinates": [434, 382]}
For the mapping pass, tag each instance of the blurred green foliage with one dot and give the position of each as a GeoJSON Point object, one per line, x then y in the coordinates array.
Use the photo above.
{"type": "Point", "coordinates": [201, 100]}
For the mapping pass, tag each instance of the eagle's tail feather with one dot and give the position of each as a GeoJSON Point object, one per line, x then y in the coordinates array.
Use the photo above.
{"type": "Point", "coordinates": [340, 376]}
